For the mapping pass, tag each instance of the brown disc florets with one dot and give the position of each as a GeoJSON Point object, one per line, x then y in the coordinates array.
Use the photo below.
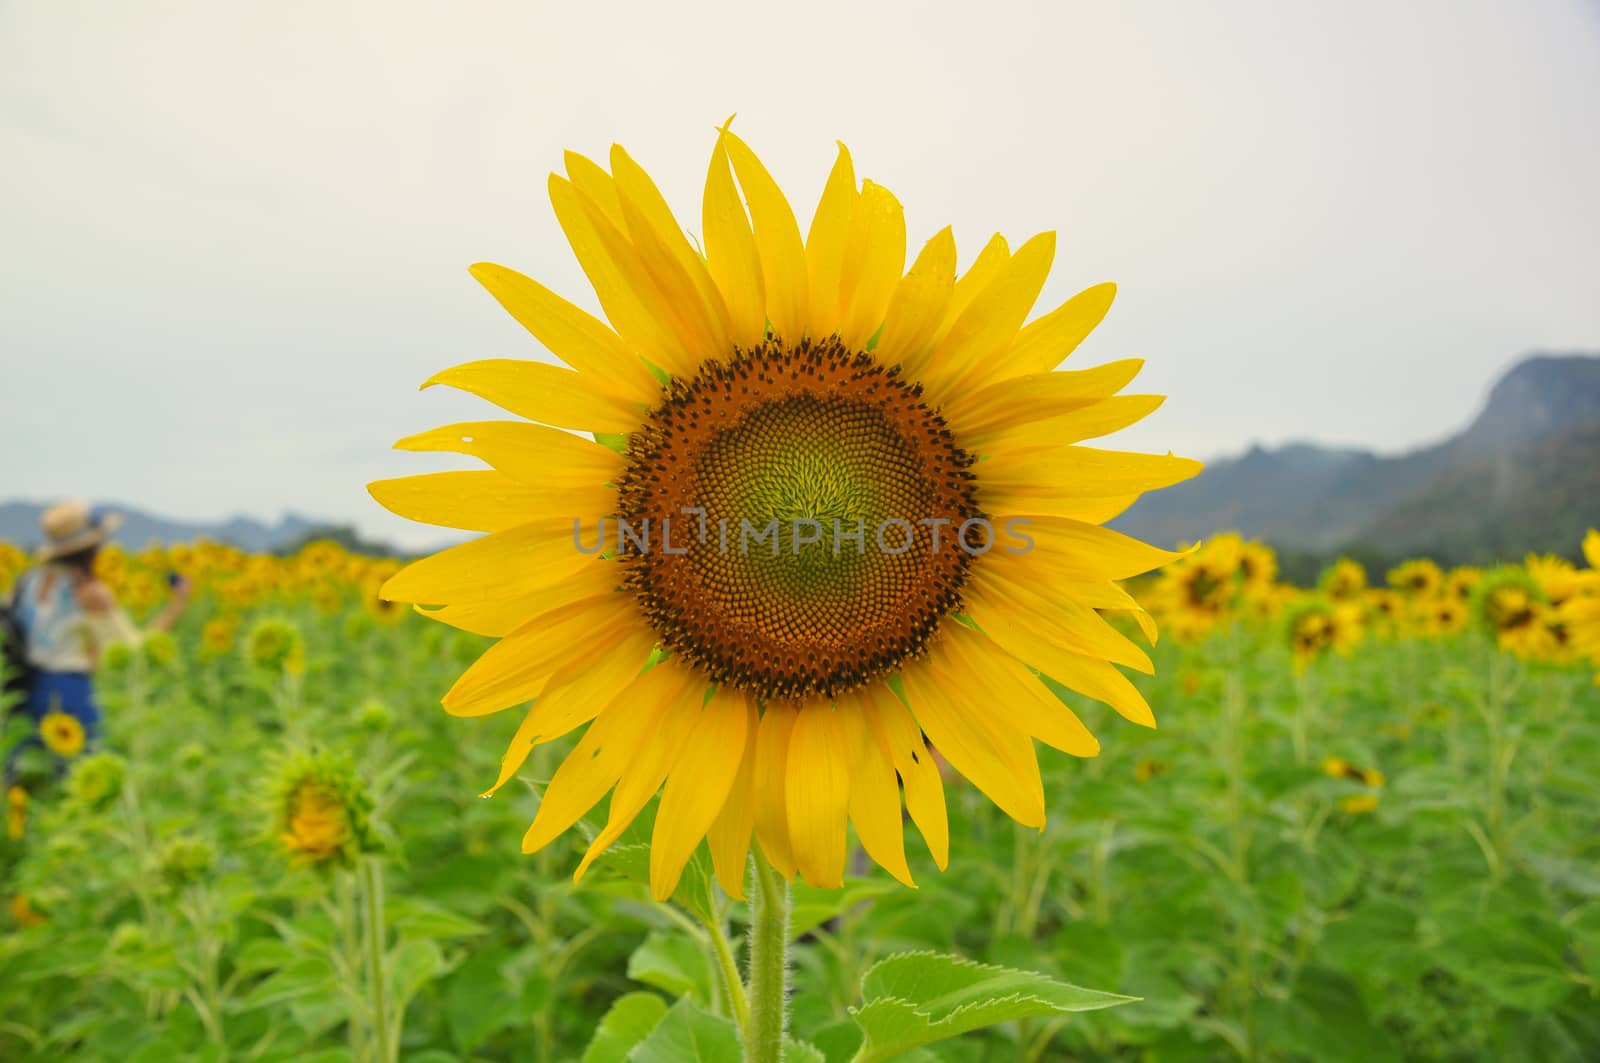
{"type": "Point", "coordinates": [790, 520]}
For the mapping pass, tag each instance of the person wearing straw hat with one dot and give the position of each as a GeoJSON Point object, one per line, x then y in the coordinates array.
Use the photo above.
{"type": "Point", "coordinates": [68, 618]}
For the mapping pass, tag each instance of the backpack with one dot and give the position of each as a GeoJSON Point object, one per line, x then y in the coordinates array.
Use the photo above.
{"type": "Point", "coordinates": [16, 673]}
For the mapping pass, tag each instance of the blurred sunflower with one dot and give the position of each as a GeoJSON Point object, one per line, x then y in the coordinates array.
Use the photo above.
{"type": "Point", "coordinates": [62, 733]}
{"type": "Point", "coordinates": [772, 380]}
{"type": "Point", "coordinates": [1459, 583]}
{"type": "Point", "coordinates": [1511, 608]}
{"type": "Point", "coordinates": [1417, 579]}
{"type": "Point", "coordinates": [319, 809]}
{"type": "Point", "coordinates": [1316, 626]}
{"type": "Point", "coordinates": [16, 812]}
{"type": "Point", "coordinates": [1344, 580]}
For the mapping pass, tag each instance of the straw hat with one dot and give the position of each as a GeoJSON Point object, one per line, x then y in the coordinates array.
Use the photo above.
{"type": "Point", "coordinates": [72, 526]}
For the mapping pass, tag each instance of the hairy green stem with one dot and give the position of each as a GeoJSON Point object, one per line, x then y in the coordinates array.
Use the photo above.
{"type": "Point", "coordinates": [377, 974]}
{"type": "Point", "coordinates": [738, 1002]}
{"type": "Point", "coordinates": [769, 964]}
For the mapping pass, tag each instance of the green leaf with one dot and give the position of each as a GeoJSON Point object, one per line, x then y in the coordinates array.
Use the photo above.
{"type": "Point", "coordinates": [811, 907]}
{"type": "Point", "coordinates": [305, 976]}
{"type": "Point", "coordinates": [411, 966]}
{"type": "Point", "coordinates": [917, 998]}
{"type": "Point", "coordinates": [1323, 1018]}
{"type": "Point", "coordinates": [674, 963]}
{"type": "Point", "coordinates": [1517, 961]}
{"type": "Point", "coordinates": [480, 1001]}
{"type": "Point", "coordinates": [689, 1035]}
{"type": "Point", "coordinates": [264, 954]}
{"type": "Point", "coordinates": [629, 1021]}
{"type": "Point", "coordinates": [415, 918]}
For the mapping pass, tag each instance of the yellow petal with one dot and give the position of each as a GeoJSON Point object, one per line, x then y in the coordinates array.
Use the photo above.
{"type": "Point", "coordinates": [1074, 550]}
{"type": "Point", "coordinates": [481, 500]}
{"type": "Point", "coordinates": [574, 694]}
{"type": "Point", "coordinates": [771, 787]}
{"type": "Point", "coordinates": [501, 617]}
{"type": "Point", "coordinates": [545, 393]}
{"type": "Point", "coordinates": [516, 668]}
{"type": "Point", "coordinates": [874, 259]}
{"type": "Point", "coordinates": [729, 836]}
{"type": "Point", "coordinates": [783, 255]}
{"type": "Point", "coordinates": [535, 454]}
{"type": "Point", "coordinates": [1033, 628]}
{"type": "Point", "coordinates": [825, 244]}
{"type": "Point", "coordinates": [698, 788]}
{"type": "Point", "coordinates": [499, 567]}
{"type": "Point", "coordinates": [817, 794]}
{"type": "Point", "coordinates": [591, 178]}
{"type": "Point", "coordinates": [617, 736]}
{"type": "Point", "coordinates": [874, 795]}
{"type": "Point", "coordinates": [1089, 422]}
{"type": "Point", "coordinates": [660, 752]}
{"type": "Point", "coordinates": [1080, 472]}
{"type": "Point", "coordinates": [584, 342]}
{"type": "Point", "coordinates": [999, 763]}
{"type": "Point", "coordinates": [991, 322]}
{"type": "Point", "coordinates": [901, 740]}
{"type": "Point", "coordinates": [1035, 396]}
{"type": "Point", "coordinates": [1097, 509]}
{"type": "Point", "coordinates": [679, 271]}
{"type": "Point", "coordinates": [731, 254]}
{"type": "Point", "coordinates": [626, 293]}
{"type": "Point", "coordinates": [1017, 700]}
{"type": "Point", "coordinates": [918, 305]}
{"type": "Point", "coordinates": [1045, 343]}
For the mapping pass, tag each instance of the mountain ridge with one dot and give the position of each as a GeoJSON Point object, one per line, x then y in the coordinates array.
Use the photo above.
{"type": "Point", "coordinates": [1308, 498]}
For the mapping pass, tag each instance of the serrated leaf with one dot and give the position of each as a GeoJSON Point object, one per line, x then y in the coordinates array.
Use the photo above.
{"type": "Point", "coordinates": [917, 998]}
{"type": "Point", "coordinates": [629, 1021]}
{"type": "Point", "coordinates": [689, 1035]}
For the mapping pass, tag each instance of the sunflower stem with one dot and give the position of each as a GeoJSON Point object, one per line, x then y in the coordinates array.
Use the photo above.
{"type": "Point", "coordinates": [769, 964]}
{"type": "Point", "coordinates": [377, 972]}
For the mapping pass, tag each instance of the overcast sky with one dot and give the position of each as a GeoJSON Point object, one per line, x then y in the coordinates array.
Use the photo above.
{"type": "Point", "coordinates": [234, 237]}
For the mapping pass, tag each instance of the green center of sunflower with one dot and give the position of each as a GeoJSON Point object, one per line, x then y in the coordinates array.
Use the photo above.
{"type": "Point", "coordinates": [790, 520]}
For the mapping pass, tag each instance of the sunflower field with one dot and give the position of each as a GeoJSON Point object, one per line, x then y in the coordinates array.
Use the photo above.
{"type": "Point", "coordinates": [1365, 829]}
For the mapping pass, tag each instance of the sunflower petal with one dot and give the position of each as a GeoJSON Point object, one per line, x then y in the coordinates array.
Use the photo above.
{"type": "Point", "coordinates": [1017, 699]}
{"type": "Point", "coordinates": [783, 255]}
{"type": "Point", "coordinates": [918, 305]}
{"type": "Point", "coordinates": [545, 393]}
{"type": "Point", "coordinates": [731, 253]}
{"type": "Point", "coordinates": [825, 245]}
{"type": "Point", "coordinates": [587, 685]}
{"type": "Point", "coordinates": [644, 775]}
{"type": "Point", "coordinates": [901, 740]}
{"type": "Point", "coordinates": [729, 836]}
{"type": "Point", "coordinates": [817, 794]}
{"type": "Point", "coordinates": [482, 500]}
{"type": "Point", "coordinates": [991, 321]}
{"type": "Point", "coordinates": [697, 789]}
{"type": "Point", "coordinates": [874, 260]}
{"type": "Point", "coordinates": [772, 765]}
{"type": "Point", "coordinates": [1045, 343]}
{"type": "Point", "coordinates": [1003, 765]}
{"type": "Point", "coordinates": [582, 341]}
{"type": "Point", "coordinates": [535, 454]}
{"type": "Point", "coordinates": [875, 797]}
{"type": "Point", "coordinates": [1036, 396]}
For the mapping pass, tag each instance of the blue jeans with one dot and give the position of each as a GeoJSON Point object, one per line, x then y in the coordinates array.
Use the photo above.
{"type": "Point", "coordinates": [68, 692]}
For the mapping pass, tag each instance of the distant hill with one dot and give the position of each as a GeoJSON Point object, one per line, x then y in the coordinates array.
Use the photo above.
{"type": "Point", "coordinates": [19, 523]}
{"type": "Point", "coordinates": [1524, 475]}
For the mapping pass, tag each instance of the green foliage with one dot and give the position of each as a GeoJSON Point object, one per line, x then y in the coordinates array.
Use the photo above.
{"type": "Point", "coordinates": [1230, 894]}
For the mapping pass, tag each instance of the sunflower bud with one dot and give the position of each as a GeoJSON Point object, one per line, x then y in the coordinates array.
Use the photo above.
{"type": "Point", "coordinates": [97, 780]}
{"type": "Point", "coordinates": [276, 646]}
{"type": "Point", "coordinates": [321, 811]}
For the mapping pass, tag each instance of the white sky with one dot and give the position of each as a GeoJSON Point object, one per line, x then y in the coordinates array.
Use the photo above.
{"type": "Point", "coordinates": [234, 237]}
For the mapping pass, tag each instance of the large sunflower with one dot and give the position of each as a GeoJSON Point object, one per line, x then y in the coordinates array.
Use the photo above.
{"type": "Point", "coordinates": [852, 516]}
